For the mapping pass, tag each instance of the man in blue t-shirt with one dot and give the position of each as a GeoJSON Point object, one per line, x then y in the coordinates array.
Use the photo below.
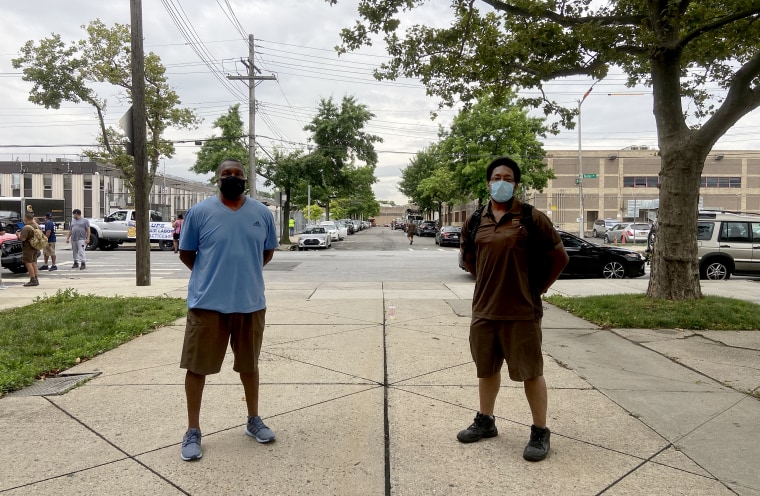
{"type": "Point", "coordinates": [49, 251]}
{"type": "Point", "coordinates": [226, 242]}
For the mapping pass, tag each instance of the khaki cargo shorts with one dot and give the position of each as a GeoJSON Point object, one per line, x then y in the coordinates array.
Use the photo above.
{"type": "Point", "coordinates": [516, 341]}
{"type": "Point", "coordinates": [49, 250]}
{"type": "Point", "coordinates": [207, 334]}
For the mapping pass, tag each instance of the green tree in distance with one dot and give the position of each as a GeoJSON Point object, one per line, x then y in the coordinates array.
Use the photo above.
{"type": "Point", "coordinates": [340, 141]}
{"type": "Point", "coordinates": [284, 170]}
{"type": "Point", "coordinates": [486, 130]}
{"type": "Point", "coordinates": [313, 213]}
{"type": "Point", "coordinates": [229, 145]}
{"type": "Point", "coordinates": [62, 73]}
{"type": "Point", "coordinates": [702, 53]}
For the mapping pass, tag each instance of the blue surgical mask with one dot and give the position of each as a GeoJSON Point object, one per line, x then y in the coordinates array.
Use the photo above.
{"type": "Point", "coordinates": [502, 191]}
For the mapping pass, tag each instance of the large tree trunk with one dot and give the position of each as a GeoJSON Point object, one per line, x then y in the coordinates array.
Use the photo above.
{"type": "Point", "coordinates": [675, 272]}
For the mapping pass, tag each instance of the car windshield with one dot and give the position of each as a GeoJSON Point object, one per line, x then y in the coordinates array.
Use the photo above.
{"type": "Point", "coordinates": [451, 229]}
{"type": "Point", "coordinates": [640, 227]}
{"type": "Point", "coordinates": [314, 230]}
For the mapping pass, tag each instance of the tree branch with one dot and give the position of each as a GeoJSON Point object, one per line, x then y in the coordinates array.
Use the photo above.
{"type": "Point", "coordinates": [738, 16]}
{"type": "Point", "coordinates": [742, 98]}
{"type": "Point", "coordinates": [565, 20]}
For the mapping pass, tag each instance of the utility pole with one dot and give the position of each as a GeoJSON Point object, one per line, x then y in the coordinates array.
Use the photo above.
{"type": "Point", "coordinates": [142, 188]}
{"type": "Point", "coordinates": [251, 78]}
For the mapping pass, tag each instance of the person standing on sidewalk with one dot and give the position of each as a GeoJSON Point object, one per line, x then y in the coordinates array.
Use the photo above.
{"type": "Point", "coordinates": [79, 235]}
{"type": "Point", "coordinates": [49, 251]}
{"type": "Point", "coordinates": [506, 305]}
{"type": "Point", "coordinates": [29, 254]}
{"type": "Point", "coordinates": [226, 242]}
{"type": "Point", "coordinates": [177, 225]}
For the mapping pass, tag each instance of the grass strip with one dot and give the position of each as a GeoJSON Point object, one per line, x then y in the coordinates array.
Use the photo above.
{"type": "Point", "coordinates": [637, 311]}
{"type": "Point", "coordinates": [56, 332]}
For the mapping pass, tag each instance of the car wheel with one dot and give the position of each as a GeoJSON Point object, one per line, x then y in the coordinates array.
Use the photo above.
{"type": "Point", "coordinates": [613, 270]}
{"type": "Point", "coordinates": [94, 241]}
{"type": "Point", "coordinates": [715, 271]}
{"type": "Point", "coordinates": [17, 269]}
{"type": "Point", "coordinates": [606, 238]}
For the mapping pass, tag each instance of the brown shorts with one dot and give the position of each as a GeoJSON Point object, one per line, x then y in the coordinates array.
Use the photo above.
{"type": "Point", "coordinates": [49, 250]}
{"type": "Point", "coordinates": [516, 341]}
{"type": "Point", "coordinates": [29, 254]}
{"type": "Point", "coordinates": [206, 336]}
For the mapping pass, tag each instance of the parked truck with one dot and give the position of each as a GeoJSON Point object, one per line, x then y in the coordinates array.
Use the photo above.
{"type": "Point", "coordinates": [12, 209]}
{"type": "Point", "coordinates": [120, 227]}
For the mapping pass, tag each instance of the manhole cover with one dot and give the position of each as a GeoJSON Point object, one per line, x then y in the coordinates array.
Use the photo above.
{"type": "Point", "coordinates": [60, 384]}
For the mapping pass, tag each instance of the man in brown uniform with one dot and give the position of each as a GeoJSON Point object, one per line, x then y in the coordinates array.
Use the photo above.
{"type": "Point", "coordinates": [506, 306]}
{"type": "Point", "coordinates": [28, 253]}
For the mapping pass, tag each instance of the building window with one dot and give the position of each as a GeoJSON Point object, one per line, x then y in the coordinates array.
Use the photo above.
{"type": "Point", "coordinates": [720, 182]}
{"type": "Point", "coordinates": [28, 186]}
{"type": "Point", "coordinates": [16, 185]}
{"type": "Point", "coordinates": [87, 178]}
{"type": "Point", "coordinates": [47, 185]}
{"type": "Point", "coordinates": [640, 181]}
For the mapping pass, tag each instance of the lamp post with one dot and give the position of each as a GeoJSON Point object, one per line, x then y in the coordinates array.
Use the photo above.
{"type": "Point", "coordinates": [580, 164]}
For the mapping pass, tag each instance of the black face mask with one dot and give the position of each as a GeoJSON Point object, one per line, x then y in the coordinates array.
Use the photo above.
{"type": "Point", "coordinates": [232, 187]}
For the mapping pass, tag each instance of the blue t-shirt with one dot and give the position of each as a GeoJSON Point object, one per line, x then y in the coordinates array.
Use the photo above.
{"type": "Point", "coordinates": [228, 272]}
{"type": "Point", "coordinates": [50, 226]}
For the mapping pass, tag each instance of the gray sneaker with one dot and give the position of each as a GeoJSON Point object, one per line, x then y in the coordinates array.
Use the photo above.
{"type": "Point", "coordinates": [256, 429]}
{"type": "Point", "coordinates": [191, 445]}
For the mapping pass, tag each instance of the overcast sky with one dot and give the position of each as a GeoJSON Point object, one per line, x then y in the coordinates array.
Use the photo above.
{"type": "Point", "coordinates": [294, 41]}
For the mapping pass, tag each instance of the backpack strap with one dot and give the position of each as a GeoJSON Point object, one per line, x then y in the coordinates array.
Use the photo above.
{"type": "Point", "coordinates": [472, 227]}
{"type": "Point", "coordinates": [526, 218]}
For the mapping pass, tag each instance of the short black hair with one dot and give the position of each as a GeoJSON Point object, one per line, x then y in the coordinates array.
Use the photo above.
{"type": "Point", "coordinates": [76, 211]}
{"type": "Point", "coordinates": [506, 161]}
{"type": "Point", "coordinates": [233, 160]}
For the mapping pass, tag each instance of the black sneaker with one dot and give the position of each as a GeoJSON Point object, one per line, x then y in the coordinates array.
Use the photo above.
{"type": "Point", "coordinates": [52, 268]}
{"type": "Point", "coordinates": [538, 446]}
{"type": "Point", "coordinates": [482, 426]}
{"type": "Point", "coordinates": [83, 266]}
{"type": "Point", "coordinates": [44, 267]}
{"type": "Point", "coordinates": [75, 266]}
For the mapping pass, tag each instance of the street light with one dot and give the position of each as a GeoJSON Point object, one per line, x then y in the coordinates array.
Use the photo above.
{"type": "Point", "coordinates": [580, 163]}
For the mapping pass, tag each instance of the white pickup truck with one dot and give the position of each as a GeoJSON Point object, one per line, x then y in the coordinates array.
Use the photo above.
{"type": "Point", "coordinates": [119, 227]}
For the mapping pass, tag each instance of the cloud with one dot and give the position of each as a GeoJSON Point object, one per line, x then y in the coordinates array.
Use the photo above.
{"type": "Point", "coordinates": [295, 41]}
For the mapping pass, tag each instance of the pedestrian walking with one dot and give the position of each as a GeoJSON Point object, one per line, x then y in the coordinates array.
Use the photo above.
{"type": "Point", "coordinates": [506, 241]}
{"type": "Point", "coordinates": [411, 226]}
{"type": "Point", "coordinates": [79, 236]}
{"type": "Point", "coordinates": [226, 242]}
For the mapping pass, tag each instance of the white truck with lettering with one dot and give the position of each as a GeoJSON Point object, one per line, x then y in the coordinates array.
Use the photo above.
{"type": "Point", "coordinates": [120, 227]}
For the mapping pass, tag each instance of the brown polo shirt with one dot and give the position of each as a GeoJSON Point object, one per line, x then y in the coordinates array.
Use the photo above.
{"type": "Point", "coordinates": [502, 281]}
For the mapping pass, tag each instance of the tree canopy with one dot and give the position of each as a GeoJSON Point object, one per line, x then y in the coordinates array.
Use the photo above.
{"type": "Point", "coordinates": [700, 57]}
{"type": "Point", "coordinates": [230, 144]}
{"type": "Point", "coordinates": [62, 73]}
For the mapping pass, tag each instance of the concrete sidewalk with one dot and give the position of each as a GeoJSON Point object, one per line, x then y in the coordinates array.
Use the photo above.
{"type": "Point", "coordinates": [365, 404]}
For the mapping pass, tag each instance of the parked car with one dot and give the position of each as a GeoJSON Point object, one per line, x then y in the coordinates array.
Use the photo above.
{"type": "Point", "coordinates": [728, 244]}
{"type": "Point", "coordinates": [601, 226]}
{"type": "Point", "coordinates": [448, 235]}
{"type": "Point", "coordinates": [10, 254]}
{"type": "Point", "coordinates": [314, 237]}
{"type": "Point", "coordinates": [427, 228]}
{"type": "Point", "coordinates": [336, 232]}
{"type": "Point", "coordinates": [590, 260]}
{"type": "Point", "coordinates": [629, 232]}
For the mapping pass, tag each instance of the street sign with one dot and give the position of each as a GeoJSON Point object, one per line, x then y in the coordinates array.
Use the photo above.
{"type": "Point", "coordinates": [589, 176]}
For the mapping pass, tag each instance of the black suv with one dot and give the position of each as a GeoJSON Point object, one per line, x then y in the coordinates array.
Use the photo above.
{"type": "Point", "coordinates": [427, 228]}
